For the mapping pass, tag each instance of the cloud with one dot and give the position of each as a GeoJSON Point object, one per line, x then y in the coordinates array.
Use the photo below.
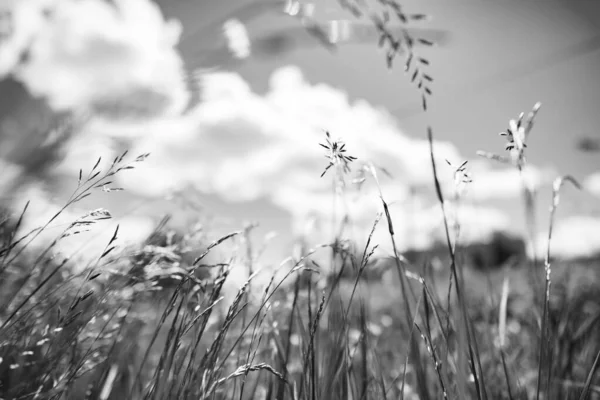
{"type": "Point", "coordinates": [119, 61]}
{"type": "Point", "coordinates": [419, 227]}
{"type": "Point", "coordinates": [477, 224]}
{"type": "Point", "coordinates": [86, 246]}
{"type": "Point", "coordinates": [21, 21]}
{"type": "Point", "coordinates": [244, 146]}
{"type": "Point", "coordinates": [113, 59]}
{"type": "Point", "coordinates": [133, 230]}
{"type": "Point", "coordinates": [505, 183]}
{"type": "Point", "coordinates": [236, 35]}
{"type": "Point", "coordinates": [236, 144]}
{"type": "Point", "coordinates": [84, 149]}
{"type": "Point", "coordinates": [10, 174]}
{"type": "Point", "coordinates": [572, 237]}
{"type": "Point", "coordinates": [592, 184]}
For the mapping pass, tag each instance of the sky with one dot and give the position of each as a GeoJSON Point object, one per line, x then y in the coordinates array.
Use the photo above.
{"type": "Point", "coordinates": [232, 98]}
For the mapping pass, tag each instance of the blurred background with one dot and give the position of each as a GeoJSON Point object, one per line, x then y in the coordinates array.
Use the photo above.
{"type": "Point", "coordinates": [232, 98]}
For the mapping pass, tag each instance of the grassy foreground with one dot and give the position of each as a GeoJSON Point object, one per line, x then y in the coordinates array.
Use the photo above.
{"type": "Point", "coordinates": [155, 321]}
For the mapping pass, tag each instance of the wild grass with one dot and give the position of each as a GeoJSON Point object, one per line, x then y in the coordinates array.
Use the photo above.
{"type": "Point", "coordinates": [153, 323]}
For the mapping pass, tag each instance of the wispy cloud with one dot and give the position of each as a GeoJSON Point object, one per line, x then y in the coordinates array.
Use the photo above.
{"type": "Point", "coordinates": [115, 59]}
{"type": "Point", "coordinates": [281, 162]}
{"type": "Point", "coordinates": [573, 237]}
{"type": "Point", "coordinates": [244, 146]}
{"type": "Point", "coordinates": [120, 60]}
{"type": "Point", "coordinates": [238, 42]}
{"type": "Point", "coordinates": [21, 23]}
{"type": "Point", "coordinates": [592, 184]}
{"type": "Point", "coordinates": [506, 183]}
{"type": "Point", "coordinates": [84, 243]}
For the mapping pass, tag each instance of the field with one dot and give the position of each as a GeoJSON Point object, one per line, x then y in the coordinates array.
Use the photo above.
{"type": "Point", "coordinates": [340, 320]}
{"type": "Point", "coordinates": [154, 322]}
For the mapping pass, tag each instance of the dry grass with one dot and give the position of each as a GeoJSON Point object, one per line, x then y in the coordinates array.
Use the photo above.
{"type": "Point", "coordinates": [143, 324]}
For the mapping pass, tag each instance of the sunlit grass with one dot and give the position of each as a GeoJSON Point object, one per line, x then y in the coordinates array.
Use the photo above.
{"type": "Point", "coordinates": [153, 322]}
{"type": "Point", "coordinates": [158, 327]}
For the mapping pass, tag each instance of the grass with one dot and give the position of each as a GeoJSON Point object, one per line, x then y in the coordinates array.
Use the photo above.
{"type": "Point", "coordinates": [153, 322]}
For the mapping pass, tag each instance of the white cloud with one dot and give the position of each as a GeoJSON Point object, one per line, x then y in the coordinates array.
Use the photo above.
{"type": "Point", "coordinates": [88, 247]}
{"type": "Point", "coordinates": [592, 183]}
{"type": "Point", "coordinates": [573, 237]}
{"type": "Point", "coordinates": [505, 183]}
{"type": "Point", "coordinates": [84, 247]}
{"type": "Point", "coordinates": [40, 210]}
{"type": "Point", "coordinates": [477, 224]}
{"type": "Point", "coordinates": [417, 223]}
{"type": "Point", "coordinates": [243, 146]}
{"type": "Point", "coordinates": [236, 144]}
{"type": "Point", "coordinates": [21, 21]}
{"type": "Point", "coordinates": [94, 140]}
{"type": "Point", "coordinates": [115, 59]}
{"type": "Point", "coordinates": [237, 38]}
{"type": "Point", "coordinates": [10, 174]}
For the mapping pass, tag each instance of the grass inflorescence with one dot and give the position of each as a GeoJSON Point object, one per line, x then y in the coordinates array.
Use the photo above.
{"type": "Point", "coordinates": [147, 324]}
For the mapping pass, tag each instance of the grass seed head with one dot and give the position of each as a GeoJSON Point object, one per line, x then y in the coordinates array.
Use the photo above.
{"type": "Point", "coordinates": [336, 150]}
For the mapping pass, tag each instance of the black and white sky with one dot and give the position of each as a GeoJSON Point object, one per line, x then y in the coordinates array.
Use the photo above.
{"type": "Point", "coordinates": [243, 134]}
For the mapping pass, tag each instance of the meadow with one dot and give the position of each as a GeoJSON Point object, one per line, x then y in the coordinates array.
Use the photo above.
{"type": "Point", "coordinates": [333, 321]}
